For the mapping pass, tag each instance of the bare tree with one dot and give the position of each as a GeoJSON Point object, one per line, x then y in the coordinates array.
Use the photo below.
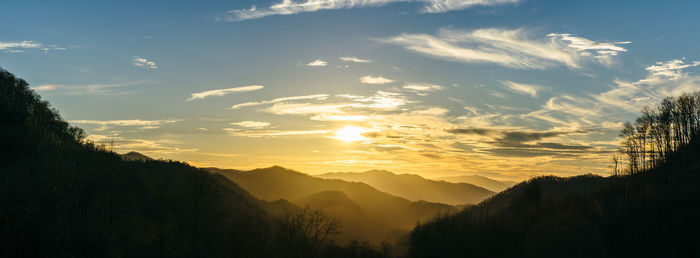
{"type": "Point", "coordinates": [307, 229]}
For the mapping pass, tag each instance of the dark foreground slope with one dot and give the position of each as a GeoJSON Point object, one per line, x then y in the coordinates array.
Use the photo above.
{"type": "Point", "coordinates": [650, 214]}
{"type": "Point", "coordinates": [62, 197]}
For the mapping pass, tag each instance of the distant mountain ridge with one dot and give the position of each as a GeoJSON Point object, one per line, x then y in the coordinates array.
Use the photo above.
{"type": "Point", "coordinates": [135, 156]}
{"type": "Point", "coordinates": [485, 182]}
{"type": "Point", "coordinates": [381, 214]}
{"type": "Point", "coordinates": [416, 188]}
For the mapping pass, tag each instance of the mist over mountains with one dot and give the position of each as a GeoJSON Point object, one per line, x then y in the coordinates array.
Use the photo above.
{"type": "Point", "coordinates": [367, 212]}
{"type": "Point", "coordinates": [485, 182]}
{"type": "Point", "coordinates": [416, 188]}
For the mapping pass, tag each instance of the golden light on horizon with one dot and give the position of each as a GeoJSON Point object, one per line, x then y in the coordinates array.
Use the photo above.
{"type": "Point", "coordinates": [351, 134]}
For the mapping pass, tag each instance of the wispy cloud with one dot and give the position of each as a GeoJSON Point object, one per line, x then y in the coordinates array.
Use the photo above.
{"type": "Point", "coordinates": [441, 6]}
{"type": "Point", "coordinates": [510, 48]}
{"type": "Point", "coordinates": [257, 103]}
{"type": "Point", "coordinates": [317, 63]}
{"type": "Point", "coordinates": [97, 88]}
{"type": "Point", "coordinates": [522, 88]}
{"type": "Point", "coordinates": [380, 101]}
{"type": "Point", "coordinates": [369, 79]}
{"type": "Point", "coordinates": [272, 133]}
{"type": "Point", "coordinates": [354, 59]}
{"type": "Point", "coordinates": [663, 79]}
{"type": "Point", "coordinates": [144, 62]}
{"type": "Point", "coordinates": [251, 124]}
{"type": "Point", "coordinates": [142, 124]}
{"type": "Point", "coordinates": [422, 87]}
{"type": "Point", "coordinates": [20, 46]}
{"type": "Point", "coordinates": [222, 92]}
{"type": "Point", "coordinates": [289, 7]}
{"type": "Point", "coordinates": [149, 147]}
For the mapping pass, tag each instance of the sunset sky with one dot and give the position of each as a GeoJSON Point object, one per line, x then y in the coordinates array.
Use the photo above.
{"type": "Point", "coordinates": [507, 89]}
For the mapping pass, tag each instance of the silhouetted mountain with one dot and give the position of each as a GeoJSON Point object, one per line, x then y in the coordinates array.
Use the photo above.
{"type": "Point", "coordinates": [416, 188]}
{"type": "Point", "coordinates": [482, 181]}
{"type": "Point", "coordinates": [63, 197]}
{"type": "Point", "coordinates": [135, 156]}
{"type": "Point", "coordinates": [382, 214]}
{"type": "Point", "coordinates": [652, 213]}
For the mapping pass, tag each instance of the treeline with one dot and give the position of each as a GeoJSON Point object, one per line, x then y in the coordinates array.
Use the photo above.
{"type": "Point", "coordinates": [61, 196]}
{"type": "Point", "coordinates": [660, 131]}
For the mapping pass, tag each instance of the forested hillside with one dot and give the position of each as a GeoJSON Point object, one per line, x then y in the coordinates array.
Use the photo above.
{"type": "Point", "coordinates": [650, 208]}
{"type": "Point", "coordinates": [61, 196]}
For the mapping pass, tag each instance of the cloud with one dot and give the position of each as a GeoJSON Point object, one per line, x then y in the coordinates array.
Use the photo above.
{"type": "Point", "coordinates": [479, 131]}
{"type": "Point", "coordinates": [222, 92]}
{"type": "Point", "coordinates": [528, 89]}
{"type": "Point", "coordinates": [308, 108]}
{"type": "Point", "coordinates": [422, 87]}
{"type": "Point", "coordinates": [290, 7]}
{"type": "Point", "coordinates": [441, 6]}
{"type": "Point", "coordinates": [527, 143]}
{"type": "Point", "coordinates": [277, 100]}
{"type": "Point", "coordinates": [272, 133]}
{"type": "Point", "coordinates": [251, 124]}
{"type": "Point", "coordinates": [664, 79]}
{"type": "Point", "coordinates": [143, 62]}
{"type": "Point", "coordinates": [142, 124]}
{"type": "Point", "coordinates": [148, 147]}
{"type": "Point", "coordinates": [317, 63]}
{"type": "Point", "coordinates": [97, 88]}
{"type": "Point", "coordinates": [369, 79]}
{"type": "Point", "coordinates": [17, 47]}
{"type": "Point", "coordinates": [380, 99]}
{"type": "Point", "coordinates": [20, 46]}
{"type": "Point", "coordinates": [344, 111]}
{"type": "Point", "coordinates": [601, 51]}
{"type": "Point", "coordinates": [510, 48]}
{"type": "Point", "coordinates": [354, 59]}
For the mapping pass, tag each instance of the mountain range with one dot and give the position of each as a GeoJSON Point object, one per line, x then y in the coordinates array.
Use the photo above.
{"type": "Point", "coordinates": [482, 181]}
{"type": "Point", "coordinates": [416, 188]}
{"type": "Point", "coordinates": [365, 212]}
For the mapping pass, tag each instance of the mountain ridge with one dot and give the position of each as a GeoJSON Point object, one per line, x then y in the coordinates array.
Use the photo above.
{"type": "Point", "coordinates": [415, 188]}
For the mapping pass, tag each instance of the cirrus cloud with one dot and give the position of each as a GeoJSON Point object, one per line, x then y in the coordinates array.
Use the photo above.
{"type": "Point", "coordinates": [514, 48]}
{"type": "Point", "coordinates": [222, 92]}
{"type": "Point", "coordinates": [290, 7]}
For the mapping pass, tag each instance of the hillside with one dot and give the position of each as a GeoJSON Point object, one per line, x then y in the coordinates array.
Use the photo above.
{"type": "Point", "coordinates": [416, 188]}
{"type": "Point", "coordinates": [61, 196]}
{"type": "Point", "coordinates": [482, 181]}
{"type": "Point", "coordinates": [649, 209]}
{"type": "Point", "coordinates": [384, 214]}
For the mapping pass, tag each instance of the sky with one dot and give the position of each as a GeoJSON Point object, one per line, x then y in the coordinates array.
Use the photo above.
{"type": "Point", "coordinates": [507, 89]}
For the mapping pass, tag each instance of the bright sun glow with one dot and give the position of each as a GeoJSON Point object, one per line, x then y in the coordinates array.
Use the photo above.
{"type": "Point", "coordinates": [350, 134]}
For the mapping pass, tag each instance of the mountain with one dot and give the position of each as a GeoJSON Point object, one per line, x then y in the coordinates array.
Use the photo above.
{"type": "Point", "coordinates": [62, 196]}
{"type": "Point", "coordinates": [416, 188]}
{"type": "Point", "coordinates": [649, 214]}
{"type": "Point", "coordinates": [649, 207]}
{"type": "Point", "coordinates": [135, 156]}
{"type": "Point", "coordinates": [482, 181]}
{"type": "Point", "coordinates": [383, 215]}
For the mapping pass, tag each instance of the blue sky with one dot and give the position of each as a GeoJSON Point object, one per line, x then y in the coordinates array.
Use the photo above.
{"type": "Point", "coordinates": [502, 88]}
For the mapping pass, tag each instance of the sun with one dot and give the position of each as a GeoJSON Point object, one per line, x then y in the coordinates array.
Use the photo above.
{"type": "Point", "coordinates": [350, 134]}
